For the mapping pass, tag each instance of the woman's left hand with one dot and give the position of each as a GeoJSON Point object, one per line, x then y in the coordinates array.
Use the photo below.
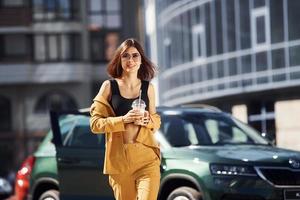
{"type": "Point", "coordinates": [144, 120]}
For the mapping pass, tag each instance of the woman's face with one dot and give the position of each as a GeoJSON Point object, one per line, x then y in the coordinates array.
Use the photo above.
{"type": "Point", "coordinates": [131, 60]}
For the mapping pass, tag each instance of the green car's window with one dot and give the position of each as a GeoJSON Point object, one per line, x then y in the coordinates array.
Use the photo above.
{"type": "Point", "coordinates": [219, 131]}
{"type": "Point", "coordinates": [79, 135]}
{"type": "Point", "coordinates": [207, 129]}
{"type": "Point", "coordinates": [178, 131]}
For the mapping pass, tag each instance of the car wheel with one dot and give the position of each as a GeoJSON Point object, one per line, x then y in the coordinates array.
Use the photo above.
{"type": "Point", "coordinates": [50, 195]}
{"type": "Point", "coordinates": [185, 193]}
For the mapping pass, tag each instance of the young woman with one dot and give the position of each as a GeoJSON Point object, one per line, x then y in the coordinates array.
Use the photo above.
{"type": "Point", "coordinates": [132, 155]}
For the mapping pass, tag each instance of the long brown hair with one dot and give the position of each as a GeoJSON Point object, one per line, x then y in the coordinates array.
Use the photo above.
{"type": "Point", "coordinates": [147, 69]}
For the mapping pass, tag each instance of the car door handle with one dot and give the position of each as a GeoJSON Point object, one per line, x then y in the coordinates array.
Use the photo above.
{"type": "Point", "coordinates": [68, 160]}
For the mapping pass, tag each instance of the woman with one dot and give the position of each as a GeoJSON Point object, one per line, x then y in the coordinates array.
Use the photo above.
{"type": "Point", "coordinates": [132, 155]}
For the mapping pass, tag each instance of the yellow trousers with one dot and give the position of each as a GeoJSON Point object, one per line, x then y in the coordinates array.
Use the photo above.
{"type": "Point", "coordinates": [141, 181]}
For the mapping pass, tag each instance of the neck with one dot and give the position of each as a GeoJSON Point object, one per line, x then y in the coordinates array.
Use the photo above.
{"type": "Point", "coordinates": [130, 80]}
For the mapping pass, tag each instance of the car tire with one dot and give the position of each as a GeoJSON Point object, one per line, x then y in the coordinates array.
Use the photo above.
{"type": "Point", "coordinates": [185, 193]}
{"type": "Point", "coordinates": [50, 195]}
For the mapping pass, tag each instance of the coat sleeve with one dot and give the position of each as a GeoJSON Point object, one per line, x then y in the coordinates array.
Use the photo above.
{"type": "Point", "coordinates": [154, 122]}
{"type": "Point", "coordinates": [101, 122]}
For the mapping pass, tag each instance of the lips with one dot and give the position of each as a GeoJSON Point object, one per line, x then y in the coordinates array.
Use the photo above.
{"type": "Point", "coordinates": [130, 66]}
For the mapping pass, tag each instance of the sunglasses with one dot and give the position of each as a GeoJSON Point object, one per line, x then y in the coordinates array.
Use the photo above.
{"type": "Point", "coordinates": [128, 56]}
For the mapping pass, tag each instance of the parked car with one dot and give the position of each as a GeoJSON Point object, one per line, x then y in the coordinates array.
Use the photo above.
{"type": "Point", "coordinates": [206, 154]}
{"type": "Point", "coordinates": [5, 188]}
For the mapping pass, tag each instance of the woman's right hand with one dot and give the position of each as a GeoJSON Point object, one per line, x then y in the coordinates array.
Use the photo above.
{"type": "Point", "coordinates": [132, 116]}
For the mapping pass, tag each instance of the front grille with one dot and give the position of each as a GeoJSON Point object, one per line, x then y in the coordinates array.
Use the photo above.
{"type": "Point", "coordinates": [281, 176]}
{"type": "Point", "coordinates": [240, 197]}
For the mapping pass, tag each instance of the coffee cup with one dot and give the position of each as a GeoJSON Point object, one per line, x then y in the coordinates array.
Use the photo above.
{"type": "Point", "coordinates": [139, 105]}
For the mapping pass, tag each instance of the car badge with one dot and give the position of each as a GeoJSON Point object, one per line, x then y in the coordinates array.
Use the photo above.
{"type": "Point", "coordinates": [294, 163]}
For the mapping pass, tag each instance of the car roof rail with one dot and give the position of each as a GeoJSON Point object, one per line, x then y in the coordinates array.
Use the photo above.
{"type": "Point", "coordinates": [198, 105]}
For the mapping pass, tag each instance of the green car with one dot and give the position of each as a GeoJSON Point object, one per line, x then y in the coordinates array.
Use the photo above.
{"type": "Point", "coordinates": [206, 154]}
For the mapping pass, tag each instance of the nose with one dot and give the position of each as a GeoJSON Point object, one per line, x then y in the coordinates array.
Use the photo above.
{"type": "Point", "coordinates": [130, 57]}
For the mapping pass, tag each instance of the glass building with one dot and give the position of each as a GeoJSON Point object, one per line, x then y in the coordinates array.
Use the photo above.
{"type": "Point", "coordinates": [240, 55]}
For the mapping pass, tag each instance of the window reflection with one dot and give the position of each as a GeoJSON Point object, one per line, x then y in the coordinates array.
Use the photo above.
{"type": "Point", "coordinates": [293, 19]}
{"type": "Point", "coordinates": [260, 30]}
{"type": "Point", "coordinates": [50, 10]}
{"type": "Point", "coordinates": [57, 47]}
{"type": "Point", "coordinates": [294, 56]}
{"type": "Point", "coordinates": [105, 13]}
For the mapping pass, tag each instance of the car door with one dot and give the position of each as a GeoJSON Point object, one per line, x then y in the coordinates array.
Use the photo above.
{"type": "Point", "coordinates": [80, 157]}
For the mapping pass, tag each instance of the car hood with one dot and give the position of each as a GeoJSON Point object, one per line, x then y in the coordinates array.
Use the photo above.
{"type": "Point", "coordinates": [238, 154]}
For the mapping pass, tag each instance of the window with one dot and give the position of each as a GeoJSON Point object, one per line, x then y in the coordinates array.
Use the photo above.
{"type": "Point", "coordinates": [76, 133]}
{"type": "Point", "coordinates": [294, 56]}
{"type": "Point", "coordinates": [53, 47]}
{"type": "Point", "coordinates": [103, 45]}
{"type": "Point", "coordinates": [15, 47]}
{"type": "Point", "coordinates": [222, 132]}
{"type": "Point", "coordinates": [105, 13]}
{"type": "Point", "coordinates": [199, 44]}
{"type": "Point", "coordinates": [220, 69]}
{"type": "Point", "coordinates": [233, 70]}
{"type": "Point", "coordinates": [51, 10]}
{"type": "Point", "coordinates": [194, 128]}
{"type": "Point", "coordinates": [261, 116]}
{"type": "Point", "coordinates": [5, 114]}
{"type": "Point", "coordinates": [246, 67]}
{"type": "Point", "coordinates": [259, 3]}
{"type": "Point", "coordinates": [277, 24]}
{"type": "Point", "coordinates": [260, 27]}
{"type": "Point", "coordinates": [261, 61]}
{"type": "Point", "coordinates": [167, 52]}
{"type": "Point", "coordinates": [57, 47]}
{"type": "Point", "coordinates": [244, 18]}
{"type": "Point", "coordinates": [219, 27]}
{"type": "Point", "coordinates": [12, 3]}
{"type": "Point", "coordinates": [278, 62]}
{"type": "Point", "coordinates": [210, 72]}
{"type": "Point", "coordinates": [278, 59]}
{"type": "Point", "coordinates": [230, 25]}
{"type": "Point", "coordinates": [293, 17]}
{"type": "Point", "coordinates": [55, 100]}
{"type": "Point", "coordinates": [80, 135]}
{"type": "Point", "coordinates": [246, 64]}
{"type": "Point", "coordinates": [207, 17]}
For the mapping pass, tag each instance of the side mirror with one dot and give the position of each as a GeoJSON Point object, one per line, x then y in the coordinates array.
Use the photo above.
{"type": "Point", "coordinates": [271, 140]}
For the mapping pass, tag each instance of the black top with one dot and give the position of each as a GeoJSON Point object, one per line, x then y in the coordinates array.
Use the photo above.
{"type": "Point", "coordinates": [122, 105]}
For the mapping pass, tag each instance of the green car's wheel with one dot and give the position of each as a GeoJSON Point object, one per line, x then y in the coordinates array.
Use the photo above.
{"type": "Point", "coordinates": [50, 195]}
{"type": "Point", "coordinates": [185, 193]}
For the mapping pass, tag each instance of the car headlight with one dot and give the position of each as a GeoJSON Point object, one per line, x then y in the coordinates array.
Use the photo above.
{"type": "Point", "coordinates": [232, 170]}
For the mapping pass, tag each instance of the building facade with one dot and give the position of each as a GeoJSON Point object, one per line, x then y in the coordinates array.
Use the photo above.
{"type": "Point", "coordinates": [242, 56]}
{"type": "Point", "coordinates": [53, 54]}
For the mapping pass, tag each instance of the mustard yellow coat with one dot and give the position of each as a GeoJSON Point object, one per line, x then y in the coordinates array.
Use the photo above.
{"type": "Point", "coordinates": [104, 120]}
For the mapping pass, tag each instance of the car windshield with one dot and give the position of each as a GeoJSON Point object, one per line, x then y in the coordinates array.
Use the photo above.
{"type": "Point", "coordinates": [193, 128]}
